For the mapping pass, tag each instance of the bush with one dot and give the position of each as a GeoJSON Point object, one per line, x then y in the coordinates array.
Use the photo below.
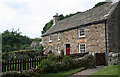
{"type": "Point", "coordinates": [69, 63]}
{"type": "Point", "coordinates": [21, 54]}
{"type": "Point", "coordinates": [62, 52]}
{"type": "Point", "coordinates": [49, 65]}
{"type": "Point", "coordinates": [88, 61]}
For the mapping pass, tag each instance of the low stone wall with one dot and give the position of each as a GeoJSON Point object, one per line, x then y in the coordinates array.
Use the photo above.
{"type": "Point", "coordinates": [113, 58]}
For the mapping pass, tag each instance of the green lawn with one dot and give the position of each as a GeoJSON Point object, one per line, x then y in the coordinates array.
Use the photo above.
{"type": "Point", "coordinates": [110, 70]}
{"type": "Point", "coordinates": [63, 73]}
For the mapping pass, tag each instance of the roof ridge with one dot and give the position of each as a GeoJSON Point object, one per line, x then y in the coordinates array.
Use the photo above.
{"type": "Point", "coordinates": [88, 16]}
{"type": "Point", "coordinates": [84, 11]}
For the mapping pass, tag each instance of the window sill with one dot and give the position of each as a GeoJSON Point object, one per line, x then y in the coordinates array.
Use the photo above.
{"type": "Point", "coordinates": [82, 52]}
{"type": "Point", "coordinates": [50, 41]}
{"type": "Point", "coordinates": [82, 36]}
{"type": "Point", "coordinates": [58, 39]}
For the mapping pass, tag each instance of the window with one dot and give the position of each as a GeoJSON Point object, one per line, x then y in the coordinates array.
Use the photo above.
{"type": "Point", "coordinates": [82, 48]}
{"type": "Point", "coordinates": [50, 38]}
{"type": "Point", "coordinates": [50, 48]}
{"type": "Point", "coordinates": [58, 48]}
{"type": "Point", "coordinates": [81, 32]}
{"type": "Point", "coordinates": [58, 36]}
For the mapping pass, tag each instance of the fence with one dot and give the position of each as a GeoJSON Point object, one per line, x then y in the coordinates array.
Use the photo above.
{"type": "Point", "coordinates": [26, 64]}
{"type": "Point", "coordinates": [23, 64]}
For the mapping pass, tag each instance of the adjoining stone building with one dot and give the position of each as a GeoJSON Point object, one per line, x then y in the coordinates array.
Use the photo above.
{"type": "Point", "coordinates": [95, 30]}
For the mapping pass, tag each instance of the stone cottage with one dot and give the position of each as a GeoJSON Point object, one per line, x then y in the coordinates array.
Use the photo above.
{"type": "Point", "coordinates": [95, 30]}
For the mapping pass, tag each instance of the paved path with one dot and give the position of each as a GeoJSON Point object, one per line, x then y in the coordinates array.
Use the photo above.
{"type": "Point", "coordinates": [87, 72]}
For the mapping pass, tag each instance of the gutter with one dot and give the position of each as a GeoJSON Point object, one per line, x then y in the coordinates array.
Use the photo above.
{"type": "Point", "coordinates": [106, 53]}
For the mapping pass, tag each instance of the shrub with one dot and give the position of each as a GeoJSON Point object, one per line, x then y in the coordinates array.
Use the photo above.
{"type": "Point", "coordinates": [62, 52]}
{"type": "Point", "coordinates": [49, 65]}
{"type": "Point", "coordinates": [69, 63]}
{"type": "Point", "coordinates": [21, 54]}
{"type": "Point", "coordinates": [88, 61]}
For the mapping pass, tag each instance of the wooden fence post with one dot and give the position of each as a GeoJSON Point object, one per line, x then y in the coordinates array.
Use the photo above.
{"type": "Point", "coordinates": [7, 65]}
{"type": "Point", "coordinates": [18, 65]}
{"type": "Point", "coordinates": [10, 65]}
{"type": "Point", "coordinates": [27, 64]}
{"type": "Point", "coordinates": [15, 65]}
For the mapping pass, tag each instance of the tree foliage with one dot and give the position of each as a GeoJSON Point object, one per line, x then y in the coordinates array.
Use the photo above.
{"type": "Point", "coordinates": [36, 39]}
{"type": "Point", "coordinates": [13, 40]}
{"type": "Point", "coordinates": [50, 23]}
{"type": "Point", "coordinates": [99, 4]}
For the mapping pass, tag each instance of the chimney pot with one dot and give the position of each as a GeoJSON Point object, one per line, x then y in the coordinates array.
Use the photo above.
{"type": "Point", "coordinates": [56, 19]}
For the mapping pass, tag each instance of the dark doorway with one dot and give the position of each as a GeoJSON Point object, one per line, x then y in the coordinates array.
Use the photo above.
{"type": "Point", "coordinates": [67, 49]}
{"type": "Point", "coordinates": [100, 59]}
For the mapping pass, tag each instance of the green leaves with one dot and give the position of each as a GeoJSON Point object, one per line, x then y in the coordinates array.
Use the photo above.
{"type": "Point", "coordinates": [99, 4]}
{"type": "Point", "coordinates": [50, 23]}
{"type": "Point", "coordinates": [12, 40]}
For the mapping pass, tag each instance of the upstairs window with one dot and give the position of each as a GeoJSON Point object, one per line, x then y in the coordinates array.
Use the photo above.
{"type": "Point", "coordinates": [82, 48]}
{"type": "Point", "coordinates": [50, 48]}
{"type": "Point", "coordinates": [58, 36]}
{"type": "Point", "coordinates": [58, 48]}
{"type": "Point", "coordinates": [50, 38]}
{"type": "Point", "coordinates": [81, 32]}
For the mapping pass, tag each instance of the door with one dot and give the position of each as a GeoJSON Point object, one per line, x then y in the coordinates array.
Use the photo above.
{"type": "Point", "coordinates": [100, 59]}
{"type": "Point", "coordinates": [67, 49]}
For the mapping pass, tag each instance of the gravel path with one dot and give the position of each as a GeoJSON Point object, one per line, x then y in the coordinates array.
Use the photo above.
{"type": "Point", "coordinates": [87, 72]}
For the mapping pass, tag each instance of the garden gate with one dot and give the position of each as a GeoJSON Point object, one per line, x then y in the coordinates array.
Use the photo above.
{"type": "Point", "coordinates": [100, 59]}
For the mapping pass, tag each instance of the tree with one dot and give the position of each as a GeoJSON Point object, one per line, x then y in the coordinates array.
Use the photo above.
{"type": "Point", "coordinates": [50, 23]}
{"type": "Point", "coordinates": [36, 39]}
{"type": "Point", "coordinates": [13, 40]}
{"type": "Point", "coordinates": [99, 4]}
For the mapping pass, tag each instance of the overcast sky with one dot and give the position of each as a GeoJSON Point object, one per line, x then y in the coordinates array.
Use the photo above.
{"type": "Point", "coordinates": [30, 16]}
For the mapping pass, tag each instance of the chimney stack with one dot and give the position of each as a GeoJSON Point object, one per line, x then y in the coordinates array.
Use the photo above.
{"type": "Point", "coordinates": [56, 19]}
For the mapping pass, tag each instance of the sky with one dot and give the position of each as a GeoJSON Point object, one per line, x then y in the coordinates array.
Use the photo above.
{"type": "Point", "coordinates": [30, 16]}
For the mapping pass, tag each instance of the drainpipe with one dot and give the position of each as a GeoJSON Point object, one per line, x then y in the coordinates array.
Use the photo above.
{"type": "Point", "coordinates": [106, 53]}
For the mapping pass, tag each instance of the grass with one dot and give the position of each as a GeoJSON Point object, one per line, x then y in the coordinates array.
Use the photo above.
{"type": "Point", "coordinates": [63, 73]}
{"type": "Point", "coordinates": [110, 71]}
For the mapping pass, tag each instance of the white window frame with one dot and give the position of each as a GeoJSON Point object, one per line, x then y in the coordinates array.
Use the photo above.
{"type": "Point", "coordinates": [50, 48]}
{"type": "Point", "coordinates": [50, 38]}
{"type": "Point", "coordinates": [82, 49]}
{"type": "Point", "coordinates": [59, 48]}
{"type": "Point", "coordinates": [58, 36]}
{"type": "Point", "coordinates": [79, 32]}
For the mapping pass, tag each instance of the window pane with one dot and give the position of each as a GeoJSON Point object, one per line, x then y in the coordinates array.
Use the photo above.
{"type": "Point", "coordinates": [50, 38]}
{"type": "Point", "coordinates": [81, 32]}
{"type": "Point", "coordinates": [50, 48]}
{"type": "Point", "coordinates": [58, 48]}
{"type": "Point", "coordinates": [58, 36]}
{"type": "Point", "coordinates": [81, 48]}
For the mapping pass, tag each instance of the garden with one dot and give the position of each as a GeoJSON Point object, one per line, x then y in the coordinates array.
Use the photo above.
{"type": "Point", "coordinates": [51, 66]}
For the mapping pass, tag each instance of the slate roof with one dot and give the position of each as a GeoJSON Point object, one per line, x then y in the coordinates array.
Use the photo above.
{"type": "Point", "coordinates": [92, 15]}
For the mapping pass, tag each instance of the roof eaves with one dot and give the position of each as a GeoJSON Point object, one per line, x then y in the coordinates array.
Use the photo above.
{"type": "Point", "coordinates": [91, 23]}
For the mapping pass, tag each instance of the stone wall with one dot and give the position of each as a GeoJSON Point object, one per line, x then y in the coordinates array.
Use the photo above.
{"type": "Point", "coordinates": [113, 34]}
{"type": "Point", "coordinates": [113, 58]}
{"type": "Point", "coordinates": [94, 39]}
